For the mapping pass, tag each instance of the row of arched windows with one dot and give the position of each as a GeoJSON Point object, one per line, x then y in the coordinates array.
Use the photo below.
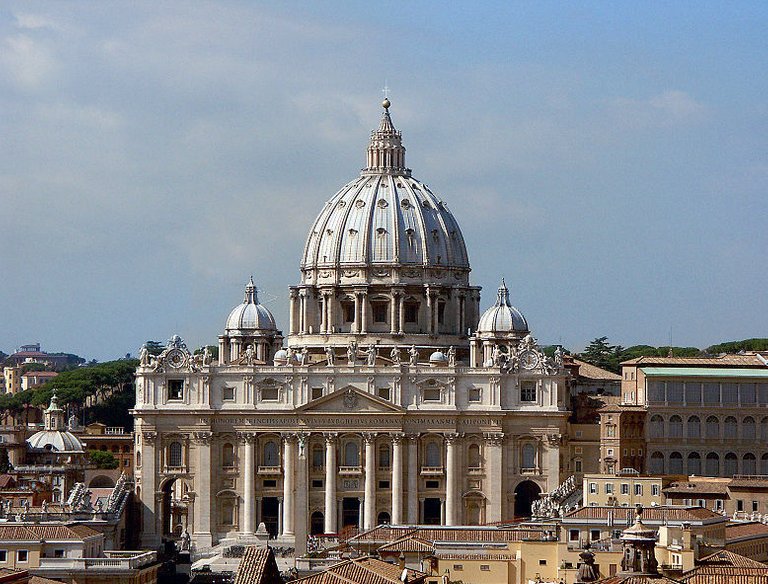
{"type": "Point", "coordinates": [711, 464]}
{"type": "Point", "coordinates": [712, 427]}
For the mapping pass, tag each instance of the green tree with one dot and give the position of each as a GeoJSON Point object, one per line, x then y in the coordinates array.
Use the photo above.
{"type": "Point", "coordinates": [102, 459]}
{"type": "Point", "coordinates": [155, 347]}
{"type": "Point", "coordinates": [213, 351]}
{"type": "Point", "coordinates": [737, 346]}
{"type": "Point", "coordinates": [601, 354]}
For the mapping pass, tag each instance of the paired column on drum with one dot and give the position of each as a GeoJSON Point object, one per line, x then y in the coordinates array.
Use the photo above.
{"type": "Point", "coordinates": [330, 483]}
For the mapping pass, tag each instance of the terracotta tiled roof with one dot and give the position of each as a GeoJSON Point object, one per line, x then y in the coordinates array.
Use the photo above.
{"type": "Point", "coordinates": [593, 372]}
{"type": "Point", "coordinates": [363, 571]}
{"type": "Point", "coordinates": [697, 488]}
{"type": "Point", "coordinates": [650, 514]}
{"type": "Point", "coordinates": [638, 579]}
{"type": "Point", "coordinates": [736, 531]}
{"type": "Point", "coordinates": [6, 481]}
{"type": "Point", "coordinates": [386, 534]}
{"type": "Point", "coordinates": [47, 532]}
{"type": "Point", "coordinates": [258, 566]}
{"type": "Point", "coordinates": [746, 360]}
{"type": "Point", "coordinates": [408, 544]}
{"type": "Point", "coordinates": [749, 483]}
{"type": "Point", "coordinates": [727, 567]}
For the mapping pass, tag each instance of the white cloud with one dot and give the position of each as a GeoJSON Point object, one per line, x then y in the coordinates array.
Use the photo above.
{"type": "Point", "coordinates": [27, 63]}
{"type": "Point", "coordinates": [27, 21]}
{"type": "Point", "coordinates": [670, 107]}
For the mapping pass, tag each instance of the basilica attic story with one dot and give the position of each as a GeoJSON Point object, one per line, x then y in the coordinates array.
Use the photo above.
{"type": "Point", "coordinates": [394, 400]}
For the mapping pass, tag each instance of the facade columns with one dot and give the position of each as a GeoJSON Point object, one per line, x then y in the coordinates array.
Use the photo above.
{"type": "Point", "coordinates": [495, 494]}
{"type": "Point", "coordinates": [397, 479]}
{"type": "Point", "coordinates": [292, 313]}
{"type": "Point", "coordinates": [151, 509]}
{"type": "Point", "coordinates": [450, 479]}
{"type": "Point", "coordinates": [203, 513]}
{"type": "Point", "coordinates": [249, 482]}
{"type": "Point", "coordinates": [356, 324]}
{"type": "Point", "coordinates": [393, 314]}
{"type": "Point", "coordinates": [330, 483]}
{"type": "Point", "coordinates": [323, 313]}
{"type": "Point", "coordinates": [369, 513]}
{"type": "Point", "coordinates": [289, 464]}
{"type": "Point", "coordinates": [429, 312]}
{"type": "Point", "coordinates": [330, 324]}
{"type": "Point", "coordinates": [364, 313]}
{"type": "Point", "coordinates": [401, 314]}
{"type": "Point", "coordinates": [413, 479]}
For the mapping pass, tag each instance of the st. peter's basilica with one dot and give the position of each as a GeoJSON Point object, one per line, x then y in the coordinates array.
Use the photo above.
{"type": "Point", "coordinates": [393, 400]}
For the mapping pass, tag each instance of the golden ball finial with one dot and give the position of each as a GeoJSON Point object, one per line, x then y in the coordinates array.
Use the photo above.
{"type": "Point", "coordinates": [386, 103]}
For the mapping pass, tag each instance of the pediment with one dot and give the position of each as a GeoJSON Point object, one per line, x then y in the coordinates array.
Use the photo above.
{"type": "Point", "coordinates": [350, 400]}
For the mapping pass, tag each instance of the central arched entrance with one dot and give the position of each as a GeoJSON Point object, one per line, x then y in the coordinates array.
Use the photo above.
{"type": "Point", "coordinates": [175, 507]}
{"type": "Point", "coordinates": [525, 494]}
{"type": "Point", "coordinates": [350, 511]}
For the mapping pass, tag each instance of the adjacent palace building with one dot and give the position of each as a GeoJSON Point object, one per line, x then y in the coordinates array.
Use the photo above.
{"type": "Point", "coordinates": [395, 400]}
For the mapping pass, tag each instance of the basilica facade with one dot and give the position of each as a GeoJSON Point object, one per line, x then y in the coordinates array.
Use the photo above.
{"type": "Point", "coordinates": [392, 399]}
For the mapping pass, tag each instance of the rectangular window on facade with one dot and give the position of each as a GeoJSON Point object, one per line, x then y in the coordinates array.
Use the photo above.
{"type": "Point", "coordinates": [3, 556]}
{"type": "Point", "coordinates": [380, 310]}
{"type": "Point", "coordinates": [592, 488]}
{"type": "Point", "coordinates": [718, 504]}
{"type": "Point", "coordinates": [22, 556]}
{"type": "Point", "coordinates": [711, 393]}
{"type": "Point", "coordinates": [578, 450]}
{"type": "Point", "coordinates": [573, 535]}
{"type": "Point", "coordinates": [608, 488]}
{"type": "Point", "coordinates": [432, 484]}
{"type": "Point", "coordinates": [175, 389]}
{"type": "Point", "coordinates": [411, 310]}
{"type": "Point", "coordinates": [317, 483]}
{"type": "Point", "coordinates": [610, 431]}
{"type": "Point", "coordinates": [739, 505]}
{"type": "Point", "coordinates": [317, 392]}
{"type": "Point", "coordinates": [692, 392]}
{"type": "Point", "coordinates": [228, 393]}
{"type": "Point", "coordinates": [528, 391]}
{"type": "Point", "coordinates": [348, 310]}
{"type": "Point", "coordinates": [675, 392]}
{"type": "Point", "coordinates": [610, 452]}
{"type": "Point", "coordinates": [577, 465]}
{"type": "Point", "coordinates": [474, 394]}
{"type": "Point", "coordinates": [58, 553]}
{"type": "Point", "coordinates": [458, 567]}
{"type": "Point", "coordinates": [625, 488]}
{"type": "Point", "coordinates": [755, 506]}
{"type": "Point", "coordinates": [485, 568]}
{"type": "Point", "coordinates": [542, 562]}
{"type": "Point", "coordinates": [269, 393]}
{"type": "Point", "coordinates": [638, 489]}
{"type": "Point", "coordinates": [656, 391]}
{"type": "Point", "coordinates": [383, 484]}
{"type": "Point", "coordinates": [383, 393]}
{"type": "Point", "coordinates": [432, 394]}
{"type": "Point", "coordinates": [270, 483]}
{"type": "Point", "coordinates": [594, 534]}
{"type": "Point", "coordinates": [730, 393]}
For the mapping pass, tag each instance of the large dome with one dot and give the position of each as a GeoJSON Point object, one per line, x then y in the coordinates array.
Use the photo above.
{"type": "Point", "coordinates": [250, 315]}
{"type": "Point", "coordinates": [385, 217]}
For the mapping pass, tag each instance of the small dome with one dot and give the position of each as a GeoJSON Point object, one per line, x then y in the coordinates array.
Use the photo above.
{"type": "Point", "coordinates": [438, 357]}
{"type": "Point", "coordinates": [250, 315]}
{"type": "Point", "coordinates": [502, 317]}
{"type": "Point", "coordinates": [281, 356]}
{"type": "Point", "coordinates": [56, 441]}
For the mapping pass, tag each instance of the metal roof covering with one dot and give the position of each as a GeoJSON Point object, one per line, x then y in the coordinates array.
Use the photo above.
{"type": "Point", "coordinates": [704, 372]}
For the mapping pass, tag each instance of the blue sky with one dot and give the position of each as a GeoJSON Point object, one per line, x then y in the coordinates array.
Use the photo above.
{"type": "Point", "coordinates": [608, 159]}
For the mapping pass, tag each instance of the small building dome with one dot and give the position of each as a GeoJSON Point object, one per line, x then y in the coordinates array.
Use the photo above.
{"type": "Point", "coordinates": [502, 318]}
{"type": "Point", "coordinates": [281, 357]}
{"type": "Point", "coordinates": [438, 357]}
{"type": "Point", "coordinates": [250, 315]}
{"type": "Point", "coordinates": [55, 437]}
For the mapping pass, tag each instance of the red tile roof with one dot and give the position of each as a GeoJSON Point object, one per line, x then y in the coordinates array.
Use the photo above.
{"type": "Point", "coordinates": [363, 570]}
{"type": "Point", "coordinates": [736, 531]}
{"type": "Point", "coordinates": [650, 514]}
{"type": "Point", "coordinates": [258, 566]}
{"type": "Point", "coordinates": [726, 567]}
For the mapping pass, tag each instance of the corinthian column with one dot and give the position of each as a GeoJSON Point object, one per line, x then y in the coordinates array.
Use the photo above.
{"type": "Point", "coordinates": [249, 481]}
{"type": "Point", "coordinates": [289, 444]}
{"type": "Point", "coordinates": [203, 512]}
{"type": "Point", "coordinates": [413, 479]}
{"type": "Point", "coordinates": [330, 483]}
{"type": "Point", "coordinates": [496, 490]}
{"type": "Point", "coordinates": [370, 481]}
{"type": "Point", "coordinates": [397, 479]}
{"type": "Point", "coordinates": [450, 479]}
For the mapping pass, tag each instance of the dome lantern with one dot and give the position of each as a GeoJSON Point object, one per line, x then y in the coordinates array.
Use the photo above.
{"type": "Point", "coordinates": [386, 152]}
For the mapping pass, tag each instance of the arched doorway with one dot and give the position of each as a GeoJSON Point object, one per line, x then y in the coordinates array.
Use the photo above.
{"type": "Point", "coordinates": [316, 523]}
{"type": "Point", "coordinates": [350, 511]}
{"type": "Point", "coordinates": [525, 494]}
{"type": "Point", "coordinates": [175, 505]}
{"type": "Point", "coordinates": [383, 518]}
{"type": "Point", "coordinates": [101, 482]}
{"type": "Point", "coordinates": [270, 510]}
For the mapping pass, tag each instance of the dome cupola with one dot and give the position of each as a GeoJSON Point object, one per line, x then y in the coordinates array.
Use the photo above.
{"type": "Point", "coordinates": [502, 319]}
{"type": "Point", "coordinates": [55, 438]}
{"type": "Point", "coordinates": [250, 315]}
